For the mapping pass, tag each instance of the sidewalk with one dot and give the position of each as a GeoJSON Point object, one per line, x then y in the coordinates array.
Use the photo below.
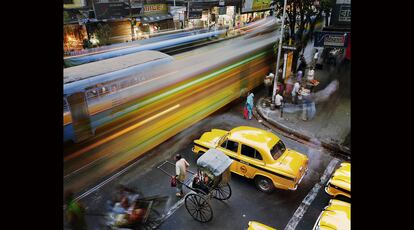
{"type": "Point", "coordinates": [330, 127]}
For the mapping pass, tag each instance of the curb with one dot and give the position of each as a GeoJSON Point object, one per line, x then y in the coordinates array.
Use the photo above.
{"type": "Point", "coordinates": [333, 147]}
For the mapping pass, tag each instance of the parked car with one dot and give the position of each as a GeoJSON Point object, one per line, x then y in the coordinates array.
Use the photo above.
{"type": "Point", "coordinates": [258, 155]}
{"type": "Point", "coordinates": [254, 225]}
{"type": "Point", "coordinates": [340, 182]}
{"type": "Point", "coordinates": [337, 215]}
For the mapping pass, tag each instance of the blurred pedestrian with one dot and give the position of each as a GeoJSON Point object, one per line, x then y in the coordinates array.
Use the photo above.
{"type": "Point", "coordinates": [278, 100]}
{"type": "Point", "coordinates": [268, 83]}
{"type": "Point", "coordinates": [311, 74]}
{"type": "Point", "coordinates": [295, 92]}
{"type": "Point", "coordinates": [303, 64]}
{"type": "Point", "coordinates": [181, 166]}
{"type": "Point", "coordinates": [315, 57]}
{"type": "Point", "coordinates": [249, 104]}
{"type": "Point", "coordinates": [75, 213]}
{"type": "Point", "coordinates": [299, 76]}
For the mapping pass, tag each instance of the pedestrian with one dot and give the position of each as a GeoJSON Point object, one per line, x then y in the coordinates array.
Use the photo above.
{"type": "Point", "coordinates": [295, 91]}
{"type": "Point", "coordinates": [268, 83]}
{"type": "Point", "coordinates": [278, 101]}
{"type": "Point", "coordinates": [249, 105]}
{"type": "Point", "coordinates": [299, 76]}
{"type": "Point", "coordinates": [311, 74]}
{"type": "Point", "coordinates": [303, 64]}
{"type": "Point", "coordinates": [315, 57]}
{"type": "Point", "coordinates": [181, 166]}
{"type": "Point", "coordinates": [75, 213]}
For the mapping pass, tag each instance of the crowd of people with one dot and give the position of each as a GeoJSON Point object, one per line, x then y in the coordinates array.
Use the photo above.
{"type": "Point", "coordinates": [297, 91]}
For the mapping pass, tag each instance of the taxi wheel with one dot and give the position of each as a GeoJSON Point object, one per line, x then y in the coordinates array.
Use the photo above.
{"type": "Point", "coordinates": [264, 184]}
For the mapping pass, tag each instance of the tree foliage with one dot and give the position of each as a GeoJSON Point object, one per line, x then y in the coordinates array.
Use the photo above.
{"type": "Point", "coordinates": [302, 14]}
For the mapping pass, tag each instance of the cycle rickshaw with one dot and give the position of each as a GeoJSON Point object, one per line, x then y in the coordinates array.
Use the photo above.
{"type": "Point", "coordinates": [210, 181]}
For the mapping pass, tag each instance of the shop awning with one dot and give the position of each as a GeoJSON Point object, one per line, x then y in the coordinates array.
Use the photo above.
{"type": "Point", "coordinates": [155, 18]}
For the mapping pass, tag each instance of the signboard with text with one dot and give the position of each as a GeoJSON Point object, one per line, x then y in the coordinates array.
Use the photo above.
{"type": "Point", "coordinates": [344, 13]}
{"type": "Point", "coordinates": [331, 39]}
{"type": "Point", "coordinates": [150, 9]}
{"type": "Point", "coordinates": [255, 5]}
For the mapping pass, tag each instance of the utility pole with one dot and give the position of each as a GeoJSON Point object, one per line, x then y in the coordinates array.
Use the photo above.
{"type": "Point", "coordinates": [132, 22]}
{"type": "Point", "coordinates": [188, 13]}
{"type": "Point", "coordinates": [278, 53]}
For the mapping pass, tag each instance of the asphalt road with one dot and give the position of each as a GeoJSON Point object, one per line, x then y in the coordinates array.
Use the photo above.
{"type": "Point", "coordinates": [281, 209]}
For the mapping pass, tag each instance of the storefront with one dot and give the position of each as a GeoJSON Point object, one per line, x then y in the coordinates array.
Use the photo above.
{"type": "Point", "coordinates": [74, 32]}
{"type": "Point", "coordinates": [254, 10]}
{"type": "Point", "coordinates": [201, 14]}
{"type": "Point", "coordinates": [225, 16]}
{"type": "Point", "coordinates": [73, 36]}
{"type": "Point", "coordinates": [155, 18]}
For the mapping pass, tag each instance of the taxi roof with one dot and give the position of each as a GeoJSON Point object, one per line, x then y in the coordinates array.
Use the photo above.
{"type": "Point", "coordinates": [254, 137]}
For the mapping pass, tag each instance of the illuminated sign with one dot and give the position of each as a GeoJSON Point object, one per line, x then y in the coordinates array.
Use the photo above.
{"type": "Point", "coordinates": [155, 9]}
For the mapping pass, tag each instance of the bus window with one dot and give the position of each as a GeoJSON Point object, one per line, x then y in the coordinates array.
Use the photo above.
{"type": "Point", "coordinates": [103, 90]}
{"type": "Point", "coordinates": [114, 87]}
{"type": "Point", "coordinates": [124, 84]}
{"type": "Point", "coordinates": [91, 94]}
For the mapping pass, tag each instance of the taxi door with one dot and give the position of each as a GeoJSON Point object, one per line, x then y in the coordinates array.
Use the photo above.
{"type": "Point", "coordinates": [231, 149]}
{"type": "Point", "coordinates": [250, 161]}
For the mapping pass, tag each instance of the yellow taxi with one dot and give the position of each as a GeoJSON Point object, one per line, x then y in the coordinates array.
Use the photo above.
{"type": "Point", "coordinates": [254, 225]}
{"type": "Point", "coordinates": [258, 155]}
{"type": "Point", "coordinates": [337, 215]}
{"type": "Point", "coordinates": [340, 182]}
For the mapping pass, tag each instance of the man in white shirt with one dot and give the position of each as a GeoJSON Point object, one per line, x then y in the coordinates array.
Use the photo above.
{"type": "Point", "coordinates": [181, 166]}
{"type": "Point", "coordinates": [278, 100]}
{"type": "Point", "coordinates": [295, 91]}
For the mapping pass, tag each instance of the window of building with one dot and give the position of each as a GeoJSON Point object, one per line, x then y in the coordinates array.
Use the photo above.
{"type": "Point", "coordinates": [67, 1]}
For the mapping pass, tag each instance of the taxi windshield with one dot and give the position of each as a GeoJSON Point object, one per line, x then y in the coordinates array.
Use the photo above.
{"type": "Point", "coordinates": [278, 149]}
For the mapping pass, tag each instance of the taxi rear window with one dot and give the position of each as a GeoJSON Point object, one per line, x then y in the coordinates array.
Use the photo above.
{"type": "Point", "coordinates": [278, 149]}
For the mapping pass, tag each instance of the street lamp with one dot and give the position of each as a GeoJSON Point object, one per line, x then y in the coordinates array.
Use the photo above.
{"type": "Point", "coordinates": [278, 53]}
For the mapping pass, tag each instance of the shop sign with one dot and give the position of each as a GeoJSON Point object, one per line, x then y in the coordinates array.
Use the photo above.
{"type": "Point", "coordinates": [155, 9]}
{"type": "Point", "coordinates": [331, 39]}
{"type": "Point", "coordinates": [111, 10]}
{"type": "Point", "coordinates": [256, 5]}
{"type": "Point", "coordinates": [289, 65]}
{"type": "Point", "coordinates": [344, 13]}
{"type": "Point", "coordinates": [343, 1]}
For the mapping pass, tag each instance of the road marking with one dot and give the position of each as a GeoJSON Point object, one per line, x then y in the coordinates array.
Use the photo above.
{"type": "Point", "coordinates": [303, 207]}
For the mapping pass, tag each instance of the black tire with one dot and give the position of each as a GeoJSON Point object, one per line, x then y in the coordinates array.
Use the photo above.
{"type": "Point", "coordinates": [343, 198]}
{"type": "Point", "coordinates": [199, 154]}
{"type": "Point", "coordinates": [264, 184]}
{"type": "Point", "coordinates": [198, 207]}
{"type": "Point", "coordinates": [222, 192]}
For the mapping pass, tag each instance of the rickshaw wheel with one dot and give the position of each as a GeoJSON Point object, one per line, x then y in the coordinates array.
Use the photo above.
{"type": "Point", "coordinates": [198, 207]}
{"type": "Point", "coordinates": [222, 192]}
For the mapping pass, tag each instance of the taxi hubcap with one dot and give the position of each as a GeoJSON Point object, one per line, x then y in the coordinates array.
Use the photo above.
{"type": "Point", "coordinates": [264, 184]}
